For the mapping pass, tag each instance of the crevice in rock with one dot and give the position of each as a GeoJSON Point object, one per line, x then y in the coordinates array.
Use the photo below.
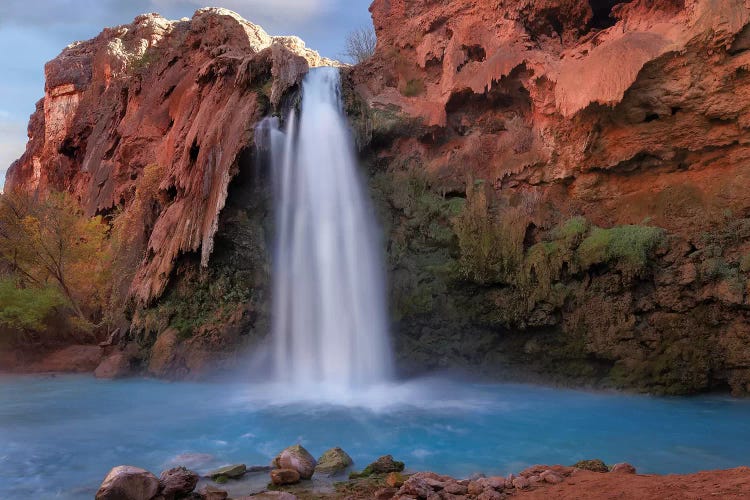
{"type": "Point", "coordinates": [194, 151]}
{"type": "Point", "coordinates": [602, 13]}
{"type": "Point", "coordinates": [474, 53]}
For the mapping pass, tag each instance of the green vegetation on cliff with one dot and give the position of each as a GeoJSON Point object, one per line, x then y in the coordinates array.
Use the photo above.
{"type": "Point", "coordinates": [497, 284]}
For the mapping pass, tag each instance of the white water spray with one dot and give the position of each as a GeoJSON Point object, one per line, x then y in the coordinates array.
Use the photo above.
{"type": "Point", "coordinates": [329, 313]}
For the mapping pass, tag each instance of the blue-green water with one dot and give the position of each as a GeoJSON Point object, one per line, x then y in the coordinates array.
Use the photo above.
{"type": "Point", "coordinates": [60, 435]}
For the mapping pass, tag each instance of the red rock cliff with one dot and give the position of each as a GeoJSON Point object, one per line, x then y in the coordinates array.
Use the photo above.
{"type": "Point", "coordinates": [184, 95]}
{"type": "Point", "coordinates": [618, 110]}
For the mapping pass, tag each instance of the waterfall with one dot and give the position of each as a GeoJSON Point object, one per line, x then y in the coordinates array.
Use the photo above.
{"type": "Point", "coordinates": [329, 323]}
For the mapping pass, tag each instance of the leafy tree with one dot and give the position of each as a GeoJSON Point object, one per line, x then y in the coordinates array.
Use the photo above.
{"type": "Point", "coordinates": [24, 310]}
{"type": "Point", "coordinates": [360, 44]}
{"type": "Point", "coordinates": [52, 242]}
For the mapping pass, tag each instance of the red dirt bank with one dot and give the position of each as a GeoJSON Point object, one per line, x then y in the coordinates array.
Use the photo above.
{"type": "Point", "coordinates": [732, 483]}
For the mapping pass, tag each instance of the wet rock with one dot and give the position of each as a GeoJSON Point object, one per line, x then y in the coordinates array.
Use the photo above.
{"type": "Point", "coordinates": [281, 477]}
{"type": "Point", "coordinates": [177, 482]}
{"type": "Point", "coordinates": [128, 483]}
{"type": "Point", "coordinates": [228, 471]}
{"type": "Point", "coordinates": [115, 366]}
{"type": "Point", "coordinates": [298, 458]}
{"type": "Point", "coordinates": [164, 353]}
{"type": "Point", "coordinates": [623, 468]}
{"type": "Point", "coordinates": [395, 479]}
{"type": "Point", "coordinates": [213, 493]}
{"type": "Point", "coordinates": [333, 461]}
{"type": "Point", "coordinates": [594, 465]}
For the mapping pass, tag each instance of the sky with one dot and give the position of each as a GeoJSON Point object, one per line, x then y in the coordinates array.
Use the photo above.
{"type": "Point", "coordinates": [33, 32]}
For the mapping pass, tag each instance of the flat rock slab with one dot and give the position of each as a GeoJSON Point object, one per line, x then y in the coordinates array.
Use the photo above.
{"type": "Point", "coordinates": [230, 471]}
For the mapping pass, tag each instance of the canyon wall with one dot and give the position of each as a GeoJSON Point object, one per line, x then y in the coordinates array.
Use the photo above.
{"type": "Point", "coordinates": [562, 183]}
{"type": "Point", "coordinates": [598, 153]}
{"type": "Point", "coordinates": [181, 95]}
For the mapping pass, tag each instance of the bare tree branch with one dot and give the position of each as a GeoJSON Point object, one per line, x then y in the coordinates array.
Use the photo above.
{"type": "Point", "coordinates": [360, 44]}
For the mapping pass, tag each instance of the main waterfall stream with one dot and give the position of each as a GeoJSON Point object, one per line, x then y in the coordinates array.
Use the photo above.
{"type": "Point", "coordinates": [329, 313]}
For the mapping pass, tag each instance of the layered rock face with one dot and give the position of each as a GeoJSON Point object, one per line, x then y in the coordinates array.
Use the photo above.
{"type": "Point", "coordinates": [181, 95]}
{"type": "Point", "coordinates": [631, 115]}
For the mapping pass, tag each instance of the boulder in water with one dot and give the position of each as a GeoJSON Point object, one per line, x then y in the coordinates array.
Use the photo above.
{"type": "Point", "coordinates": [228, 471]}
{"type": "Point", "coordinates": [115, 366]}
{"type": "Point", "coordinates": [125, 482]}
{"type": "Point", "coordinates": [281, 477]}
{"type": "Point", "coordinates": [298, 458]}
{"type": "Point", "coordinates": [382, 465]}
{"type": "Point", "coordinates": [177, 482]}
{"type": "Point", "coordinates": [333, 461]}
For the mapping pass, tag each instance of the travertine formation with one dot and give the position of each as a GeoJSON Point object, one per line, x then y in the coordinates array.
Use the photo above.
{"type": "Point", "coordinates": [621, 112]}
{"type": "Point", "coordinates": [184, 95]}
{"type": "Point", "coordinates": [609, 109]}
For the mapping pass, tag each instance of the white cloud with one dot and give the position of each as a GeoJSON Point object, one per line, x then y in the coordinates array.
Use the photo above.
{"type": "Point", "coordinates": [293, 11]}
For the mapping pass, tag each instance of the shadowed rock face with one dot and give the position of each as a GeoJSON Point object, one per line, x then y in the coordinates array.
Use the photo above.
{"type": "Point", "coordinates": [184, 95]}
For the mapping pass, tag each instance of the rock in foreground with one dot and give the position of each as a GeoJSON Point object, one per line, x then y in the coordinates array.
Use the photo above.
{"type": "Point", "coordinates": [177, 482]}
{"type": "Point", "coordinates": [333, 461]}
{"type": "Point", "coordinates": [298, 458]}
{"type": "Point", "coordinates": [128, 483]}
{"type": "Point", "coordinates": [281, 477]}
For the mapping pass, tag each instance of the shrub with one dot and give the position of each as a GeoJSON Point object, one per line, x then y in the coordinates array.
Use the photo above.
{"type": "Point", "coordinates": [491, 247]}
{"type": "Point", "coordinates": [572, 231]}
{"type": "Point", "coordinates": [413, 88]}
{"type": "Point", "coordinates": [629, 248]}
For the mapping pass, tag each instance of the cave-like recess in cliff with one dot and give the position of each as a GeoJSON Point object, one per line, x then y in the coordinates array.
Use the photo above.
{"type": "Point", "coordinates": [602, 13]}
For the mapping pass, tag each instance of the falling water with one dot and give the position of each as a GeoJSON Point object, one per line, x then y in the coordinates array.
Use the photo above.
{"type": "Point", "coordinates": [329, 313]}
